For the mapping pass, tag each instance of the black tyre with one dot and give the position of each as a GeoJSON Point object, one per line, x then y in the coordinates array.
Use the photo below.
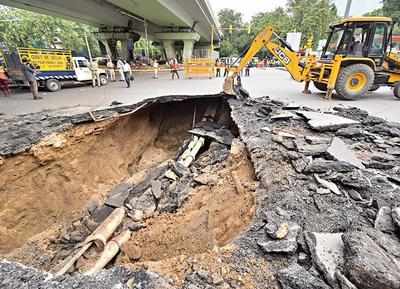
{"type": "Point", "coordinates": [53, 85]}
{"type": "Point", "coordinates": [354, 81]}
{"type": "Point", "coordinates": [321, 86]}
{"type": "Point", "coordinates": [396, 90]}
{"type": "Point", "coordinates": [374, 87]}
{"type": "Point", "coordinates": [103, 79]}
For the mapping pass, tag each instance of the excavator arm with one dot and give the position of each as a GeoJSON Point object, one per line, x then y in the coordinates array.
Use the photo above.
{"type": "Point", "coordinates": [281, 50]}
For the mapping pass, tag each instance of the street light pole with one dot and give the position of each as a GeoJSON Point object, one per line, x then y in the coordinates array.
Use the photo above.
{"type": "Point", "coordinates": [348, 6]}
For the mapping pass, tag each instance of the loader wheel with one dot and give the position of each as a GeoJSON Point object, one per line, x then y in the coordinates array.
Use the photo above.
{"type": "Point", "coordinates": [396, 90]}
{"type": "Point", "coordinates": [53, 85]}
{"type": "Point", "coordinates": [354, 81]}
{"type": "Point", "coordinates": [321, 86]}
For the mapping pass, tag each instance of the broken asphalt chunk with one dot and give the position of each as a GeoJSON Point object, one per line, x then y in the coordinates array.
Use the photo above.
{"type": "Point", "coordinates": [323, 166]}
{"type": "Point", "coordinates": [339, 151]}
{"type": "Point", "coordinates": [118, 195]}
{"type": "Point", "coordinates": [326, 122]}
{"type": "Point", "coordinates": [296, 277]}
{"type": "Point", "coordinates": [327, 253]}
{"type": "Point", "coordinates": [367, 265]}
{"type": "Point", "coordinates": [384, 220]}
{"type": "Point", "coordinates": [327, 184]}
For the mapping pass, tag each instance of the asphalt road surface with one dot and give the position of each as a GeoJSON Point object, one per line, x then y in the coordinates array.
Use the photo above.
{"type": "Point", "coordinates": [273, 82]}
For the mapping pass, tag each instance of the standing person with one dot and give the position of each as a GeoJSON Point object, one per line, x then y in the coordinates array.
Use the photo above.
{"type": "Point", "coordinates": [174, 69]}
{"type": "Point", "coordinates": [226, 71]}
{"type": "Point", "coordinates": [94, 68]}
{"type": "Point", "coordinates": [120, 66]}
{"type": "Point", "coordinates": [4, 87]}
{"type": "Point", "coordinates": [111, 70]}
{"type": "Point", "coordinates": [218, 67]}
{"type": "Point", "coordinates": [30, 72]}
{"type": "Point", "coordinates": [247, 71]}
{"type": "Point", "coordinates": [126, 68]}
{"type": "Point", "coordinates": [155, 66]}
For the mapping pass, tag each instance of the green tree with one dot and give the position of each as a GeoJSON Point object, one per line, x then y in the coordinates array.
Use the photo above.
{"type": "Point", "coordinates": [312, 18]}
{"type": "Point", "coordinates": [391, 8]}
{"type": "Point", "coordinates": [235, 41]}
{"type": "Point", "coordinates": [20, 28]}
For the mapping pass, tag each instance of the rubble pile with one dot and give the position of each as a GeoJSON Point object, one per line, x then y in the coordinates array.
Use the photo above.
{"type": "Point", "coordinates": [328, 192]}
{"type": "Point", "coordinates": [327, 208]}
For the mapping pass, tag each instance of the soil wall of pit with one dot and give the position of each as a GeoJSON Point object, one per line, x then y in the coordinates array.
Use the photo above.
{"type": "Point", "coordinates": [59, 176]}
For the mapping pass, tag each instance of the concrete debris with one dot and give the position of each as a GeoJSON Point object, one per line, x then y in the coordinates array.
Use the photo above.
{"type": "Point", "coordinates": [343, 281]}
{"type": "Point", "coordinates": [325, 121]}
{"type": "Point", "coordinates": [214, 132]}
{"type": "Point", "coordinates": [266, 129]}
{"type": "Point", "coordinates": [339, 151]}
{"type": "Point", "coordinates": [156, 189]}
{"type": "Point", "coordinates": [367, 265]}
{"type": "Point", "coordinates": [350, 132]}
{"type": "Point", "coordinates": [296, 277]}
{"type": "Point", "coordinates": [283, 116]}
{"type": "Point", "coordinates": [17, 276]}
{"type": "Point", "coordinates": [382, 157]}
{"type": "Point", "coordinates": [118, 195]}
{"type": "Point", "coordinates": [388, 242]}
{"type": "Point", "coordinates": [311, 149]}
{"type": "Point", "coordinates": [322, 166]}
{"type": "Point", "coordinates": [327, 253]}
{"type": "Point", "coordinates": [146, 204]}
{"type": "Point", "coordinates": [384, 221]}
{"type": "Point", "coordinates": [327, 184]}
{"type": "Point", "coordinates": [315, 140]}
{"type": "Point", "coordinates": [396, 217]}
{"type": "Point", "coordinates": [286, 234]}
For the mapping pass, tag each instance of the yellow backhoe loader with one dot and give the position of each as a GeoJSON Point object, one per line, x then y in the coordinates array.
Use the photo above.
{"type": "Point", "coordinates": [357, 58]}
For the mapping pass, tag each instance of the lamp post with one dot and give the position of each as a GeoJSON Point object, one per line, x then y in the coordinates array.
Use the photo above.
{"type": "Point", "coordinates": [348, 6]}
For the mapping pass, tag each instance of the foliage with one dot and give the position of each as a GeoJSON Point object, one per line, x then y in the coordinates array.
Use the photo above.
{"type": "Point", "coordinates": [20, 28]}
{"type": "Point", "coordinates": [391, 8]}
{"type": "Point", "coordinates": [235, 41]}
{"type": "Point", "coordinates": [311, 17]}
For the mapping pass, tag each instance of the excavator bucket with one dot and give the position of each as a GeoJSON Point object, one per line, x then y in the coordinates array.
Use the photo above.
{"type": "Point", "coordinates": [229, 85]}
{"type": "Point", "coordinates": [237, 90]}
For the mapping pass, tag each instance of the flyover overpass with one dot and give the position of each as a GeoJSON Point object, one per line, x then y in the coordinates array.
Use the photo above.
{"type": "Point", "coordinates": [171, 22]}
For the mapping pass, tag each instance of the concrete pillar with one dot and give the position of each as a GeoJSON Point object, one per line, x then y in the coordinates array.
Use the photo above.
{"type": "Point", "coordinates": [124, 53]}
{"type": "Point", "coordinates": [169, 38]}
{"type": "Point", "coordinates": [169, 46]}
{"type": "Point", "coordinates": [107, 48]}
{"type": "Point", "coordinates": [188, 48]}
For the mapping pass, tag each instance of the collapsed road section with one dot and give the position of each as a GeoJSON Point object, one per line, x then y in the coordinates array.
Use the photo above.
{"type": "Point", "coordinates": [201, 192]}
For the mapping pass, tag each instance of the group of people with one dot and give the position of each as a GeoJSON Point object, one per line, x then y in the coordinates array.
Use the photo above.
{"type": "Point", "coordinates": [124, 70]}
{"type": "Point", "coordinates": [219, 65]}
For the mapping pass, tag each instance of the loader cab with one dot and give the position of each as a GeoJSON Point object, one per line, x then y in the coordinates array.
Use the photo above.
{"type": "Point", "coordinates": [359, 37]}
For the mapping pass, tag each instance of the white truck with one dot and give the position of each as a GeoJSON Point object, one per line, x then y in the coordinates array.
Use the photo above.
{"type": "Point", "coordinates": [56, 67]}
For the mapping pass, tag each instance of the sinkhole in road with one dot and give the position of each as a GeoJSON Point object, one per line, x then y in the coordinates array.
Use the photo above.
{"type": "Point", "coordinates": [47, 191]}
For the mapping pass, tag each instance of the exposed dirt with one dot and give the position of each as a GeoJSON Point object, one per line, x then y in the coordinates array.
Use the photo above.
{"type": "Point", "coordinates": [54, 181]}
{"type": "Point", "coordinates": [214, 215]}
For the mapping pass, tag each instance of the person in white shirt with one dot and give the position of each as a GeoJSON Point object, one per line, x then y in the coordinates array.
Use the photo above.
{"type": "Point", "coordinates": [120, 64]}
{"type": "Point", "coordinates": [126, 68]}
{"type": "Point", "coordinates": [155, 66]}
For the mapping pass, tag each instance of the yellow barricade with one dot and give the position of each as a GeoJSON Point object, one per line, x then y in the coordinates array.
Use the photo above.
{"type": "Point", "coordinates": [199, 67]}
